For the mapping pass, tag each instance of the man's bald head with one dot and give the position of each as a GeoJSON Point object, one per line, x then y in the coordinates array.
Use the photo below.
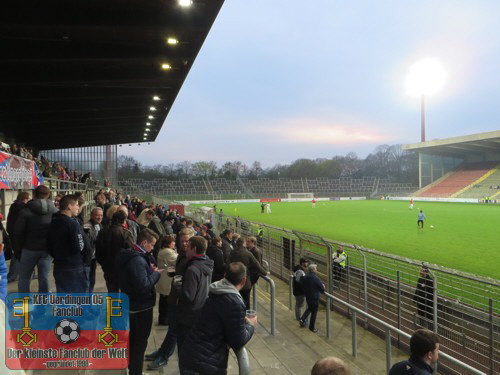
{"type": "Point", "coordinates": [330, 366]}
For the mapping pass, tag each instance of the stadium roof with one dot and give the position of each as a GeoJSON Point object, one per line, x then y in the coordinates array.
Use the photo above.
{"type": "Point", "coordinates": [87, 72]}
{"type": "Point", "coordinates": [475, 144]}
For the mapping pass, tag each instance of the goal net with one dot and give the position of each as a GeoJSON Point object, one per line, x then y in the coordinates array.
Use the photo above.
{"type": "Point", "coordinates": [300, 195]}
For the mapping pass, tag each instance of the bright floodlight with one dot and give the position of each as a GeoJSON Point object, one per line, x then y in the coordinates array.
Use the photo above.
{"type": "Point", "coordinates": [185, 3]}
{"type": "Point", "coordinates": [425, 77]}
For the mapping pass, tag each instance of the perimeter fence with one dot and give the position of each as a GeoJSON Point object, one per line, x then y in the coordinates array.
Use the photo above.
{"type": "Point", "coordinates": [462, 308]}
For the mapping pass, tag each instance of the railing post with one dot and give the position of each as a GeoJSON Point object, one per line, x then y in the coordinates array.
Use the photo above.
{"type": "Point", "coordinates": [435, 304]}
{"type": "Point", "coordinates": [243, 361]}
{"type": "Point", "coordinates": [354, 334]}
{"type": "Point", "coordinates": [492, 327]}
{"type": "Point", "coordinates": [273, 307]}
{"type": "Point", "coordinates": [329, 268]}
{"type": "Point", "coordinates": [365, 287]}
{"type": "Point", "coordinates": [348, 279]}
{"type": "Point", "coordinates": [290, 290]}
{"type": "Point", "coordinates": [254, 297]}
{"type": "Point", "coordinates": [399, 303]}
{"type": "Point", "coordinates": [328, 322]}
{"type": "Point", "coordinates": [388, 354]}
{"type": "Point", "coordinates": [273, 303]}
{"type": "Point", "coordinates": [268, 269]}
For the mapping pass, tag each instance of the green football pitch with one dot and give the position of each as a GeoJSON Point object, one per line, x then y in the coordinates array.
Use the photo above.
{"type": "Point", "coordinates": [464, 236]}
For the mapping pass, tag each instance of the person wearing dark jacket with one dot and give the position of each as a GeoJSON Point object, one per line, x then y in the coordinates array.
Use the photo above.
{"type": "Point", "coordinates": [155, 223]}
{"type": "Point", "coordinates": [194, 288]}
{"type": "Point", "coordinates": [222, 325]}
{"type": "Point", "coordinates": [214, 252]}
{"type": "Point", "coordinates": [251, 245]}
{"type": "Point", "coordinates": [241, 254]}
{"type": "Point", "coordinates": [298, 290]}
{"type": "Point", "coordinates": [168, 225]}
{"type": "Point", "coordinates": [209, 230]}
{"type": "Point", "coordinates": [92, 229]}
{"type": "Point", "coordinates": [30, 240]}
{"type": "Point", "coordinates": [313, 287]}
{"type": "Point", "coordinates": [227, 245]}
{"type": "Point", "coordinates": [424, 349]}
{"type": "Point", "coordinates": [108, 244]}
{"type": "Point", "coordinates": [137, 278]}
{"type": "Point", "coordinates": [424, 297]}
{"type": "Point", "coordinates": [16, 207]}
{"type": "Point", "coordinates": [130, 225]}
{"type": "Point", "coordinates": [69, 246]}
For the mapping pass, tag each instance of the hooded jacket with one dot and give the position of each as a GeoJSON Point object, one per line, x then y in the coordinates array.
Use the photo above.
{"type": "Point", "coordinates": [32, 225]}
{"type": "Point", "coordinates": [221, 325]}
{"type": "Point", "coordinates": [137, 279]}
{"type": "Point", "coordinates": [67, 243]}
{"type": "Point", "coordinates": [194, 290]}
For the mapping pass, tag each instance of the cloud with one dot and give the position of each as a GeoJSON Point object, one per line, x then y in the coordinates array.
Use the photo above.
{"type": "Point", "coordinates": [322, 132]}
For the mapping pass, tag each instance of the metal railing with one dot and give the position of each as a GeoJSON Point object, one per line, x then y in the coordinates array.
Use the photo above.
{"type": "Point", "coordinates": [464, 309]}
{"type": "Point", "coordinates": [388, 330]}
{"type": "Point", "coordinates": [243, 361]}
{"type": "Point", "coordinates": [388, 338]}
{"type": "Point", "coordinates": [272, 301]}
{"type": "Point", "coordinates": [88, 189]}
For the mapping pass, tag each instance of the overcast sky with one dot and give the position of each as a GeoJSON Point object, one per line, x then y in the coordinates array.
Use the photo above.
{"type": "Point", "coordinates": [278, 80]}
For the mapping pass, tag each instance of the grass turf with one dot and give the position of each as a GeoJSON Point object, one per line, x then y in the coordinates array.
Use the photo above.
{"type": "Point", "coordinates": [465, 236]}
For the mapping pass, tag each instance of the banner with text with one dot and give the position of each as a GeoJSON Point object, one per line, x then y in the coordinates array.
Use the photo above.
{"type": "Point", "coordinates": [62, 331]}
{"type": "Point", "coordinates": [18, 173]}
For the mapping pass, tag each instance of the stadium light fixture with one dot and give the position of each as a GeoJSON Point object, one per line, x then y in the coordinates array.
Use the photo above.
{"type": "Point", "coordinates": [150, 117]}
{"type": "Point", "coordinates": [148, 123]}
{"type": "Point", "coordinates": [185, 3]}
{"type": "Point", "coordinates": [425, 77]}
{"type": "Point", "coordinates": [166, 66]}
{"type": "Point", "coordinates": [156, 98]}
{"type": "Point", "coordinates": [172, 41]}
{"type": "Point", "coordinates": [152, 108]}
{"type": "Point", "coordinates": [148, 130]}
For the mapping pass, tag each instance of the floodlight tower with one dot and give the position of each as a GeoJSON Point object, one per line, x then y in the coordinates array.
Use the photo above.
{"type": "Point", "coordinates": [425, 77]}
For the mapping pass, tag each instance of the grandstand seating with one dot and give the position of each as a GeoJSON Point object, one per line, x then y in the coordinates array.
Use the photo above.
{"type": "Point", "coordinates": [225, 186]}
{"type": "Point", "coordinates": [462, 177]}
{"type": "Point", "coordinates": [385, 187]}
{"type": "Point", "coordinates": [220, 188]}
{"type": "Point", "coordinates": [486, 187]}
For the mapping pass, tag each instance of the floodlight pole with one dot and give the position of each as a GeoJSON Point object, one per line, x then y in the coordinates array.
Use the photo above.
{"type": "Point", "coordinates": [422, 118]}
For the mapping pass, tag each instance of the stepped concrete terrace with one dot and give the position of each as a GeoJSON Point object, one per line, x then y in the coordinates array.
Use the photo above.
{"type": "Point", "coordinates": [293, 350]}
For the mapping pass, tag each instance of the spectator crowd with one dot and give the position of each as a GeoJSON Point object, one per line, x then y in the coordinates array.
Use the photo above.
{"type": "Point", "coordinates": [150, 252]}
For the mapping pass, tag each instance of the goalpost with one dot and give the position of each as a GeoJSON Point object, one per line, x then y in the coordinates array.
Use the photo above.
{"type": "Point", "coordinates": [300, 195]}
